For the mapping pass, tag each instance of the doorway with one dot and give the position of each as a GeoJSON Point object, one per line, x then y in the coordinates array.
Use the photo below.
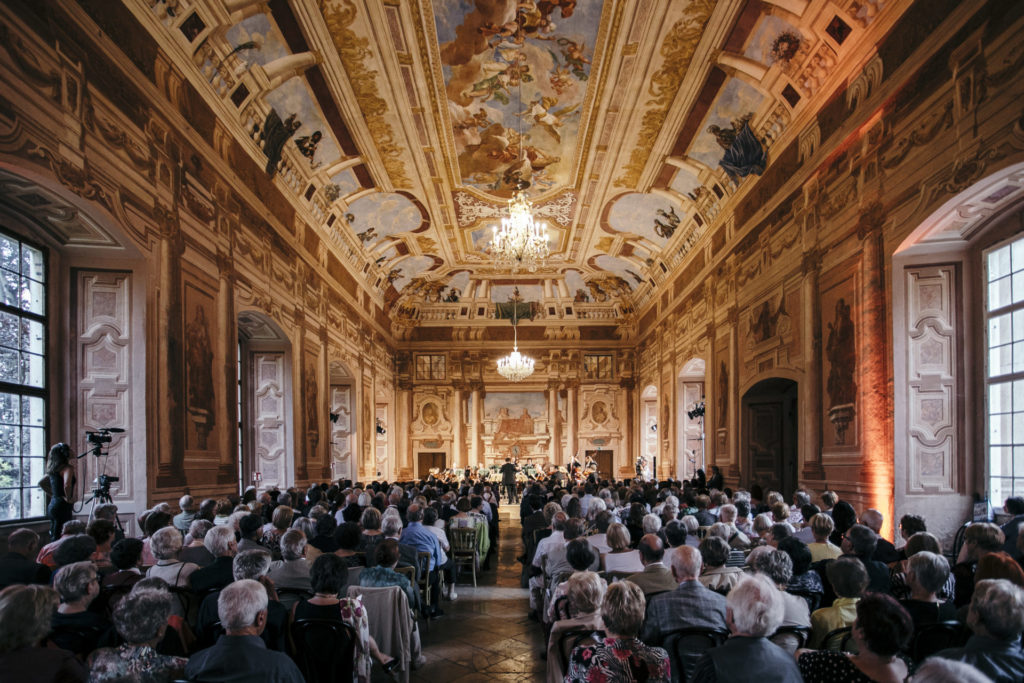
{"type": "Point", "coordinates": [769, 412]}
{"type": "Point", "coordinates": [426, 461]}
{"type": "Point", "coordinates": [604, 461]}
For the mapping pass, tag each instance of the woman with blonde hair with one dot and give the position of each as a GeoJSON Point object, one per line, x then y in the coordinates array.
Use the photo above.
{"type": "Point", "coordinates": [620, 558]}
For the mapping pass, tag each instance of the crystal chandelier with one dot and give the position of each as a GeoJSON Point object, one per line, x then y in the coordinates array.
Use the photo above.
{"type": "Point", "coordinates": [521, 242]}
{"type": "Point", "coordinates": [515, 367]}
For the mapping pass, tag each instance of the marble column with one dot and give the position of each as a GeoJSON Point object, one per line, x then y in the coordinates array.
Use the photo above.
{"type": "Point", "coordinates": [475, 418]}
{"type": "Point", "coordinates": [811, 342]}
{"type": "Point", "coordinates": [300, 442]}
{"type": "Point", "coordinates": [459, 456]}
{"type": "Point", "coordinates": [628, 457]}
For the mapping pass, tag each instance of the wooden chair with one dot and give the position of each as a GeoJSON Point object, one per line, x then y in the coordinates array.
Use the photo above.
{"type": "Point", "coordinates": [463, 543]}
{"type": "Point", "coordinates": [686, 646]}
{"type": "Point", "coordinates": [838, 639]}
{"type": "Point", "coordinates": [791, 638]}
{"type": "Point", "coordinates": [324, 649]}
{"type": "Point", "coordinates": [289, 596]}
{"type": "Point", "coordinates": [930, 638]}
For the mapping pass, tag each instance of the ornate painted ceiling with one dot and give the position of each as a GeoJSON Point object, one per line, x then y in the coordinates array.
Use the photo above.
{"type": "Point", "coordinates": [400, 126]}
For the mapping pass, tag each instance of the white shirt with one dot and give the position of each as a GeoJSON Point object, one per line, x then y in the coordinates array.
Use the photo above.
{"type": "Point", "coordinates": [557, 538]}
{"type": "Point", "coordinates": [599, 542]}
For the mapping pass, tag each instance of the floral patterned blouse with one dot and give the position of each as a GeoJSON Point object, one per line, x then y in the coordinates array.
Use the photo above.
{"type": "Point", "coordinates": [618, 660]}
{"type": "Point", "coordinates": [134, 663]}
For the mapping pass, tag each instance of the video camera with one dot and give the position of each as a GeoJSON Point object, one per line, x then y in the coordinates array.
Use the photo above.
{"type": "Point", "coordinates": [103, 483]}
{"type": "Point", "coordinates": [99, 438]}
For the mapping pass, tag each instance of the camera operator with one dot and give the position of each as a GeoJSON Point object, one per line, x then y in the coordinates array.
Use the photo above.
{"type": "Point", "coordinates": [60, 469]}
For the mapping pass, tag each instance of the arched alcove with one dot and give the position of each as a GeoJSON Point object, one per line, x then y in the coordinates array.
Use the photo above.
{"type": "Point", "coordinates": [950, 443]}
{"type": "Point", "coordinates": [769, 448]}
{"type": "Point", "coordinates": [266, 456]}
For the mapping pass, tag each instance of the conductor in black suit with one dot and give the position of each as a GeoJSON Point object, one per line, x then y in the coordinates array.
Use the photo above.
{"type": "Point", "coordinates": [508, 480]}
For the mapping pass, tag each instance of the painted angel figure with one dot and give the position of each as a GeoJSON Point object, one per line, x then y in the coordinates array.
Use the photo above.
{"type": "Point", "coordinates": [542, 109]}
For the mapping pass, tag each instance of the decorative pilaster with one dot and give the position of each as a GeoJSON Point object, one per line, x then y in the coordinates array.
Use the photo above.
{"type": "Point", "coordinates": [227, 345]}
{"type": "Point", "coordinates": [403, 416]}
{"type": "Point", "coordinates": [459, 455]}
{"type": "Point", "coordinates": [553, 420]}
{"type": "Point", "coordinates": [811, 342]}
{"type": "Point", "coordinates": [170, 387]}
{"type": "Point", "coordinates": [874, 396]}
{"type": "Point", "coordinates": [628, 386]}
{"type": "Point", "coordinates": [475, 418]}
{"type": "Point", "coordinates": [734, 391]}
{"type": "Point", "coordinates": [571, 388]}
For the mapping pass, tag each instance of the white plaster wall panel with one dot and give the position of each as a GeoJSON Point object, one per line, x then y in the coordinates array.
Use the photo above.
{"type": "Point", "coordinates": [341, 432]}
{"type": "Point", "coordinates": [103, 339]}
{"type": "Point", "coordinates": [270, 427]}
{"type": "Point", "coordinates": [932, 352]}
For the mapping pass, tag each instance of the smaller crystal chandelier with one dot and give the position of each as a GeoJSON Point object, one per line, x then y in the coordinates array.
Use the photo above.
{"type": "Point", "coordinates": [515, 367]}
{"type": "Point", "coordinates": [521, 242]}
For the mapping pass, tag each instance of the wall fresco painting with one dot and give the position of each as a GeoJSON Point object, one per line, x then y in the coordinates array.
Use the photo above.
{"type": "Point", "coordinates": [491, 50]}
{"type": "Point", "coordinates": [404, 270]}
{"type": "Point", "coordinates": [774, 40]}
{"type": "Point", "coordinates": [502, 293]}
{"type": "Point", "coordinates": [685, 183]}
{"type": "Point", "coordinates": [513, 415]}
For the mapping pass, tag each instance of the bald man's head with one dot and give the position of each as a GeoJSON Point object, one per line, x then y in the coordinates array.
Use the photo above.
{"type": "Point", "coordinates": [651, 549]}
{"type": "Point", "coordinates": [686, 563]}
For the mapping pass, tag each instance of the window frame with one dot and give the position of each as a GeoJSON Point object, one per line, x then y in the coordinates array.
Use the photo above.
{"type": "Point", "coordinates": [1014, 480]}
{"type": "Point", "coordinates": [26, 390]}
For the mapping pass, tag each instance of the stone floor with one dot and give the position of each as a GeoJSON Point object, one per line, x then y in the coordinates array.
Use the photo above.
{"type": "Point", "coordinates": [485, 635]}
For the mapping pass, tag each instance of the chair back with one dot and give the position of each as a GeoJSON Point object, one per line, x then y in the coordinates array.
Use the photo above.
{"type": "Point", "coordinates": [407, 572]}
{"type": "Point", "coordinates": [462, 540]}
{"type": "Point", "coordinates": [80, 640]}
{"type": "Point", "coordinates": [685, 646]}
{"type": "Point", "coordinates": [930, 638]}
{"type": "Point", "coordinates": [289, 595]}
{"type": "Point", "coordinates": [791, 638]}
{"type": "Point", "coordinates": [324, 649]}
{"type": "Point", "coordinates": [570, 640]}
{"type": "Point", "coordinates": [561, 608]}
{"type": "Point", "coordinates": [353, 575]}
{"type": "Point", "coordinates": [839, 639]}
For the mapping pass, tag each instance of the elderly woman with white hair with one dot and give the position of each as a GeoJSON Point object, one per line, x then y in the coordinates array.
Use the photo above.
{"type": "Point", "coordinates": [753, 610]}
{"type": "Point", "coordinates": [166, 543]}
{"type": "Point", "coordinates": [586, 593]}
{"type": "Point", "coordinates": [192, 549]}
{"type": "Point", "coordinates": [141, 620]}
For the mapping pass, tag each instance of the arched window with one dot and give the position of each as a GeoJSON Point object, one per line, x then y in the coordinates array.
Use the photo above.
{"type": "Point", "coordinates": [1004, 371]}
{"type": "Point", "coordinates": [23, 383]}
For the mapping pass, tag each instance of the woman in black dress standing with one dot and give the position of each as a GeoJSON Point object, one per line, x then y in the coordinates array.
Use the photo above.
{"type": "Point", "coordinates": [60, 470]}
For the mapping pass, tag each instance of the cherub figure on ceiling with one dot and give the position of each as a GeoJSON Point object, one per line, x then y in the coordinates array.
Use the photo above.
{"type": "Point", "coordinates": [666, 223]}
{"type": "Point", "coordinates": [367, 235]}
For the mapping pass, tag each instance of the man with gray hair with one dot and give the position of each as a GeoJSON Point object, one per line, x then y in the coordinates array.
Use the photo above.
{"type": "Point", "coordinates": [996, 617]}
{"type": "Point", "coordinates": [885, 551]}
{"type": "Point", "coordinates": [220, 541]}
{"type": "Point", "coordinates": [240, 655]}
{"type": "Point", "coordinates": [753, 611]}
{"type": "Point", "coordinates": [254, 565]}
{"type": "Point", "coordinates": [185, 518]}
{"type": "Point", "coordinates": [292, 570]}
{"type": "Point", "coordinates": [690, 605]}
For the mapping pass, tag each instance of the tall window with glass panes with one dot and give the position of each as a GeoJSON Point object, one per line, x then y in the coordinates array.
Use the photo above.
{"type": "Point", "coordinates": [1004, 377]}
{"type": "Point", "coordinates": [22, 378]}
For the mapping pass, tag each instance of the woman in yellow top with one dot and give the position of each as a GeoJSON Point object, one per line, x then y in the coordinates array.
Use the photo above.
{"type": "Point", "coordinates": [465, 519]}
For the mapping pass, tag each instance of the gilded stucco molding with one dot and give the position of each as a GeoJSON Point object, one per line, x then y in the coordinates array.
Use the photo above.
{"type": "Point", "coordinates": [340, 15]}
{"type": "Point", "coordinates": [677, 50]}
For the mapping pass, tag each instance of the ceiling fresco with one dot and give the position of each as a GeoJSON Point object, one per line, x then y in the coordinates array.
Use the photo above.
{"type": "Point", "coordinates": [515, 78]}
{"type": "Point", "coordinates": [399, 128]}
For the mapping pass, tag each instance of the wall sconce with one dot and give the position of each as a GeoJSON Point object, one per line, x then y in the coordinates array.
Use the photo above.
{"type": "Point", "coordinates": [380, 428]}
